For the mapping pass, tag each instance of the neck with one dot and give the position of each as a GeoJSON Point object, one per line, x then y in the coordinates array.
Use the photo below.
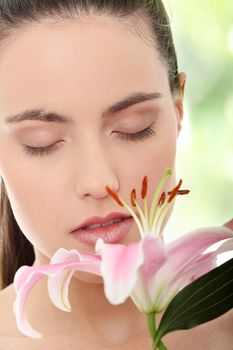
{"type": "Point", "coordinates": [102, 318]}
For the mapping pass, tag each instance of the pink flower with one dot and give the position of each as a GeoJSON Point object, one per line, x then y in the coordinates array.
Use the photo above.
{"type": "Point", "coordinates": [60, 270]}
{"type": "Point", "coordinates": [149, 271]}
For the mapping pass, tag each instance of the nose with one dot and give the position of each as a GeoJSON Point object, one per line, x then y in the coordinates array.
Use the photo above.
{"type": "Point", "coordinates": [94, 170]}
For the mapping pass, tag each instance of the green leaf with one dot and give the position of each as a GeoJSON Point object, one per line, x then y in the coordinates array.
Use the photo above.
{"type": "Point", "coordinates": [203, 300]}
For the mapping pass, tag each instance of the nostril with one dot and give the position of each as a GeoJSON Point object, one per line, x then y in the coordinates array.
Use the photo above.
{"type": "Point", "coordinates": [90, 181]}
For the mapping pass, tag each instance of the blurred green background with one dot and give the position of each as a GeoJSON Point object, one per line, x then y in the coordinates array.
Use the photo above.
{"type": "Point", "coordinates": [203, 35]}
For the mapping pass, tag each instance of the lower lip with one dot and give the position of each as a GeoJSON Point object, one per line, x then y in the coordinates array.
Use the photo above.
{"type": "Point", "coordinates": [113, 233]}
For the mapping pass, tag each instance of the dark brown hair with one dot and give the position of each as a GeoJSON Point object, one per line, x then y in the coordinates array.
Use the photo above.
{"type": "Point", "coordinates": [16, 250]}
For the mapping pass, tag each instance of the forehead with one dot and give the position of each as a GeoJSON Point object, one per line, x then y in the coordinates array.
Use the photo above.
{"type": "Point", "coordinates": [51, 63]}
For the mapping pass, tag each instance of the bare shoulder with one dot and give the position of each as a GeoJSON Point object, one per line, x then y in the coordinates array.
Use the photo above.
{"type": "Point", "coordinates": [225, 324]}
{"type": "Point", "coordinates": [7, 319]}
{"type": "Point", "coordinates": [8, 328]}
{"type": "Point", "coordinates": [221, 331]}
{"type": "Point", "coordinates": [215, 335]}
{"type": "Point", "coordinates": [12, 339]}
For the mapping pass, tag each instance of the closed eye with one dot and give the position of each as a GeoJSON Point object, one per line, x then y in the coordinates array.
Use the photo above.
{"type": "Point", "coordinates": [47, 150]}
{"type": "Point", "coordinates": [41, 151]}
{"type": "Point", "coordinates": [138, 136]}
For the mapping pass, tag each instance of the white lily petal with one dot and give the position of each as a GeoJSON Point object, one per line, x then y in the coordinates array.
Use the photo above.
{"type": "Point", "coordinates": [58, 286]}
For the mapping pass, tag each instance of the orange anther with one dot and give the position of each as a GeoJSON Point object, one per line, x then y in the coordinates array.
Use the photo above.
{"type": "Point", "coordinates": [114, 195]}
{"type": "Point", "coordinates": [162, 199]}
{"type": "Point", "coordinates": [183, 192]}
{"type": "Point", "coordinates": [133, 197]}
{"type": "Point", "coordinates": [144, 187]}
{"type": "Point", "coordinates": [174, 191]}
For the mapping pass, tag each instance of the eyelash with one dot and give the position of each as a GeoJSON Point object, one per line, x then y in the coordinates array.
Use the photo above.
{"type": "Point", "coordinates": [138, 136]}
{"type": "Point", "coordinates": [43, 151]}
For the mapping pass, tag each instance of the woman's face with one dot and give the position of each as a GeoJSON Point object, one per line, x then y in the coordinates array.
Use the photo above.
{"type": "Point", "coordinates": [78, 70]}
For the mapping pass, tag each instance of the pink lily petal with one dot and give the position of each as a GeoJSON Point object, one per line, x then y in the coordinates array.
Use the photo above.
{"type": "Point", "coordinates": [202, 265]}
{"type": "Point", "coordinates": [196, 241]}
{"type": "Point", "coordinates": [155, 256]}
{"type": "Point", "coordinates": [208, 261]}
{"type": "Point", "coordinates": [186, 249]}
{"type": "Point", "coordinates": [27, 276]}
{"type": "Point", "coordinates": [144, 294]}
{"type": "Point", "coordinates": [198, 268]}
{"type": "Point", "coordinates": [165, 270]}
{"type": "Point", "coordinates": [226, 246]}
{"type": "Point", "coordinates": [154, 290]}
{"type": "Point", "coordinates": [185, 261]}
{"type": "Point", "coordinates": [119, 268]}
{"type": "Point", "coordinates": [82, 262]}
{"type": "Point", "coordinates": [169, 268]}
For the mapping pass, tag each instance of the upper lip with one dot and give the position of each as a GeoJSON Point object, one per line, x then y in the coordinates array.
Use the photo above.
{"type": "Point", "coordinates": [100, 220]}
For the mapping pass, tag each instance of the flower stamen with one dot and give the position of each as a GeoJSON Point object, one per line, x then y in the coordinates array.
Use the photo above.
{"type": "Point", "coordinates": [123, 204]}
{"type": "Point", "coordinates": [133, 197]}
{"type": "Point", "coordinates": [152, 221]}
{"type": "Point", "coordinates": [162, 199]}
{"type": "Point", "coordinates": [114, 195]}
{"type": "Point", "coordinates": [181, 192]}
{"type": "Point", "coordinates": [154, 204]}
{"type": "Point", "coordinates": [174, 192]}
{"type": "Point", "coordinates": [144, 187]}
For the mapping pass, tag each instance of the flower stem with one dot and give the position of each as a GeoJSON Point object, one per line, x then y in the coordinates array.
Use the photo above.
{"type": "Point", "coordinates": [161, 346]}
{"type": "Point", "coordinates": [151, 324]}
{"type": "Point", "coordinates": [157, 345]}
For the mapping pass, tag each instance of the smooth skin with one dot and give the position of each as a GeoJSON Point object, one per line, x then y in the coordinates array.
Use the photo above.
{"type": "Point", "coordinates": [78, 69]}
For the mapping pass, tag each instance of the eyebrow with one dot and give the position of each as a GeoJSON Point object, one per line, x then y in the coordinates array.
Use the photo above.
{"type": "Point", "coordinates": [43, 115]}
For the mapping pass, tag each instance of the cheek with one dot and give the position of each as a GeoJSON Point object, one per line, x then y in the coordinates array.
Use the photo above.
{"type": "Point", "coordinates": [35, 204]}
{"type": "Point", "coordinates": [151, 158]}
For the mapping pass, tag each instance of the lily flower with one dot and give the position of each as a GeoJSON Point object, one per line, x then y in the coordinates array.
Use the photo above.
{"type": "Point", "coordinates": [150, 271]}
{"type": "Point", "coordinates": [60, 270]}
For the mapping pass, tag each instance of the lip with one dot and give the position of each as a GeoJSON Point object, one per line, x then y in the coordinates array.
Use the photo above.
{"type": "Point", "coordinates": [113, 233]}
{"type": "Point", "coordinates": [100, 220]}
